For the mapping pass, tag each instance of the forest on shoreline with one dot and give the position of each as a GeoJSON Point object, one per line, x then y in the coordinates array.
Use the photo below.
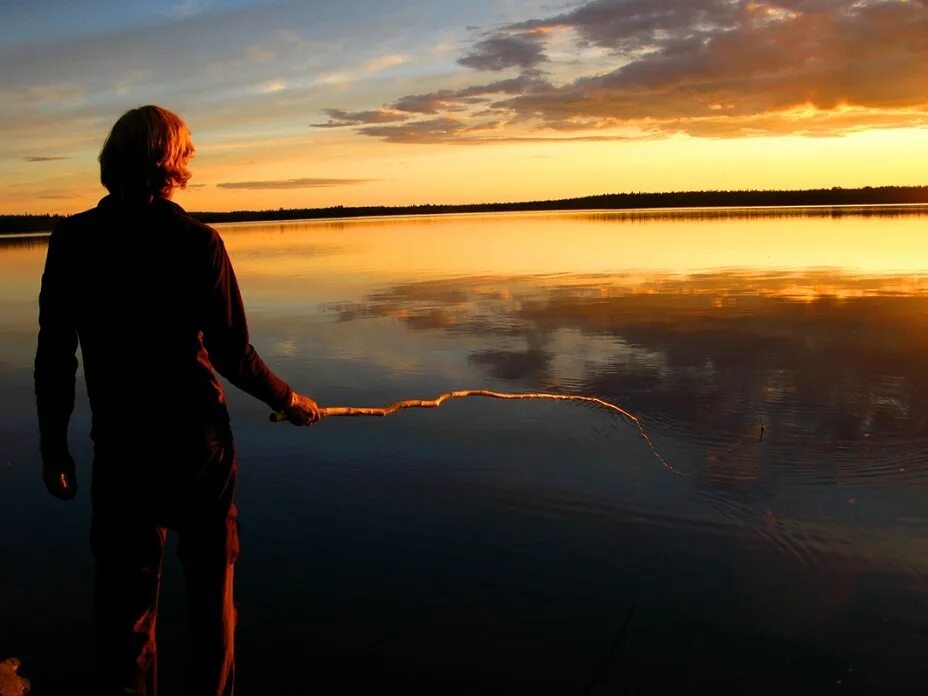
{"type": "Point", "coordinates": [879, 195]}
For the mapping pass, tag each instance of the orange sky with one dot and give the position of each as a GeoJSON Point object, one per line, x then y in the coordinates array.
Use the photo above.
{"type": "Point", "coordinates": [358, 105]}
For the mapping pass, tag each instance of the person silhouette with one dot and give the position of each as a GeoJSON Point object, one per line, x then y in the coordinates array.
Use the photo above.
{"type": "Point", "coordinates": [151, 297]}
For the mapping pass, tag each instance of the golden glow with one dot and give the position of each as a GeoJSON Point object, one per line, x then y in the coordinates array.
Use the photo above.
{"type": "Point", "coordinates": [787, 256]}
{"type": "Point", "coordinates": [630, 250]}
{"type": "Point", "coordinates": [400, 174]}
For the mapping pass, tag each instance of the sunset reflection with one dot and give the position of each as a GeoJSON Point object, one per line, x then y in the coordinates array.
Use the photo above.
{"type": "Point", "coordinates": [740, 345]}
{"type": "Point", "coordinates": [635, 245]}
{"type": "Point", "coordinates": [781, 374]}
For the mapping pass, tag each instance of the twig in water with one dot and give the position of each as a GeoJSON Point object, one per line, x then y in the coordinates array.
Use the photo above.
{"type": "Point", "coordinates": [328, 411]}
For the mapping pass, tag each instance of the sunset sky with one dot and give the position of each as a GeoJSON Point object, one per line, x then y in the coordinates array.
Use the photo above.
{"type": "Point", "coordinates": [303, 104]}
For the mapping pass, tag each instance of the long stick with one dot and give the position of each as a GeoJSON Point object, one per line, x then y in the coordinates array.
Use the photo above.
{"type": "Point", "coordinates": [326, 411]}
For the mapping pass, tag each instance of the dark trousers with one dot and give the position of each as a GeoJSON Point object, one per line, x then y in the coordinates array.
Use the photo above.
{"type": "Point", "coordinates": [187, 485]}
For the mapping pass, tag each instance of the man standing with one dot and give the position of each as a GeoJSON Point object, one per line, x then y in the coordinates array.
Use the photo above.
{"type": "Point", "coordinates": [151, 296]}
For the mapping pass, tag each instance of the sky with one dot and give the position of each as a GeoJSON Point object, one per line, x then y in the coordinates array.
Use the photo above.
{"type": "Point", "coordinates": [356, 102]}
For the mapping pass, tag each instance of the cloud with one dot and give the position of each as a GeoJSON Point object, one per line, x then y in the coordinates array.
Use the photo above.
{"type": "Point", "coordinates": [86, 79]}
{"type": "Point", "coordinates": [365, 69]}
{"type": "Point", "coordinates": [430, 103]}
{"type": "Point", "coordinates": [429, 130]}
{"type": "Point", "coordinates": [273, 86]}
{"type": "Point", "coordinates": [732, 63]}
{"type": "Point", "coordinates": [186, 8]}
{"type": "Point", "coordinates": [506, 51]}
{"type": "Point", "coordinates": [710, 68]}
{"type": "Point", "coordinates": [375, 65]}
{"type": "Point", "coordinates": [460, 131]}
{"type": "Point", "coordinates": [290, 183]}
{"type": "Point", "coordinates": [460, 99]}
{"type": "Point", "coordinates": [339, 117]}
{"type": "Point", "coordinates": [39, 158]}
{"type": "Point", "coordinates": [630, 26]}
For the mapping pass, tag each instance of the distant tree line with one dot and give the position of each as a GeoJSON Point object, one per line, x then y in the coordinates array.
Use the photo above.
{"type": "Point", "coordinates": [868, 195]}
{"type": "Point", "coordinates": [18, 224]}
{"type": "Point", "coordinates": [677, 199]}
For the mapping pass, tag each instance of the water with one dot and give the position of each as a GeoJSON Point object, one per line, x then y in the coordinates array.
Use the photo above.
{"type": "Point", "coordinates": [500, 546]}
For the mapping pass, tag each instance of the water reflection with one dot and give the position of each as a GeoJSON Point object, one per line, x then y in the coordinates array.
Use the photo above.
{"type": "Point", "coordinates": [831, 365]}
{"type": "Point", "coordinates": [822, 354]}
{"type": "Point", "coordinates": [24, 241]}
{"type": "Point", "coordinates": [502, 544]}
{"type": "Point", "coordinates": [755, 213]}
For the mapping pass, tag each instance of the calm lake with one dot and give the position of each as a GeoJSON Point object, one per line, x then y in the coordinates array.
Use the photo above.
{"type": "Point", "coordinates": [777, 359]}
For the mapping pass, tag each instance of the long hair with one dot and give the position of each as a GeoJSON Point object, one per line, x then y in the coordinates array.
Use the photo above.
{"type": "Point", "coordinates": [146, 154]}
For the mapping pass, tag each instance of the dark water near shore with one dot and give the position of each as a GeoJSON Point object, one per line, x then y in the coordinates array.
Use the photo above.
{"type": "Point", "coordinates": [501, 546]}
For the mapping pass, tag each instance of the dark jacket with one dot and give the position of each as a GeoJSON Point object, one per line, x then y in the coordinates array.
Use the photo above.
{"type": "Point", "coordinates": [151, 296]}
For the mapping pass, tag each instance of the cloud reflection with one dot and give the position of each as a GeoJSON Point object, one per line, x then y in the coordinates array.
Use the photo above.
{"type": "Point", "coordinates": [826, 358]}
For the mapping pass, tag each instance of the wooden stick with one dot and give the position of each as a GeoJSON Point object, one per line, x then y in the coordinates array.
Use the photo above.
{"type": "Point", "coordinates": [327, 411]}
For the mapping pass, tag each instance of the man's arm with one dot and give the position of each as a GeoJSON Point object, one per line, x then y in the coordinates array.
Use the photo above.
{"type": "Point", "coordinates": [55, 369]}
{"type": "Point", "coordinates": [225, 335]}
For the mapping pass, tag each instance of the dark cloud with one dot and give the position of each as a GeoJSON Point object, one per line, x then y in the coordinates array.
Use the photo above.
{"type": "Point", "coordinates": [429, 130]}
{"type": "Point", "coordinates": [339, 117]}
{"type": "Point", "coordinates": [431, 103]}
{"type": "Point", "coordinates": [290, 183]}
{"type": "Point", "coordinates": [39, 158]}
{"type": "Point", "coordinates": [525, 82]}
{"type": "Point", "coordinates": [468, 132]}
{"type": "Point", "coordinates": [715, 68]}
{"type": "Point", "coordinates": [742, 68]}
{"type": "Point", "coordinates": [449, 124]}
{"type": "Point", "coordinates": [446, 100]}
{"type": "Point", "coordinates": [506, 51]}
{"type": "Point", "coordinates": [629, 26]}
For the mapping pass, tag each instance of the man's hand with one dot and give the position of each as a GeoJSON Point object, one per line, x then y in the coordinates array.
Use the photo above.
{"type": "Point", "coordinates": [59, 477]}
{"type": "Point", "coordinates": [302, 410]}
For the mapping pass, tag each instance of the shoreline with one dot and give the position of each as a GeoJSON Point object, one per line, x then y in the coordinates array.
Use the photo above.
{"type": "Point", "coordinates": [867, 200]}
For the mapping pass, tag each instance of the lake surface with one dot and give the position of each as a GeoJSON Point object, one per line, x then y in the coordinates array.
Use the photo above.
{"type": "Point", "coordinates": [778, 360]}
